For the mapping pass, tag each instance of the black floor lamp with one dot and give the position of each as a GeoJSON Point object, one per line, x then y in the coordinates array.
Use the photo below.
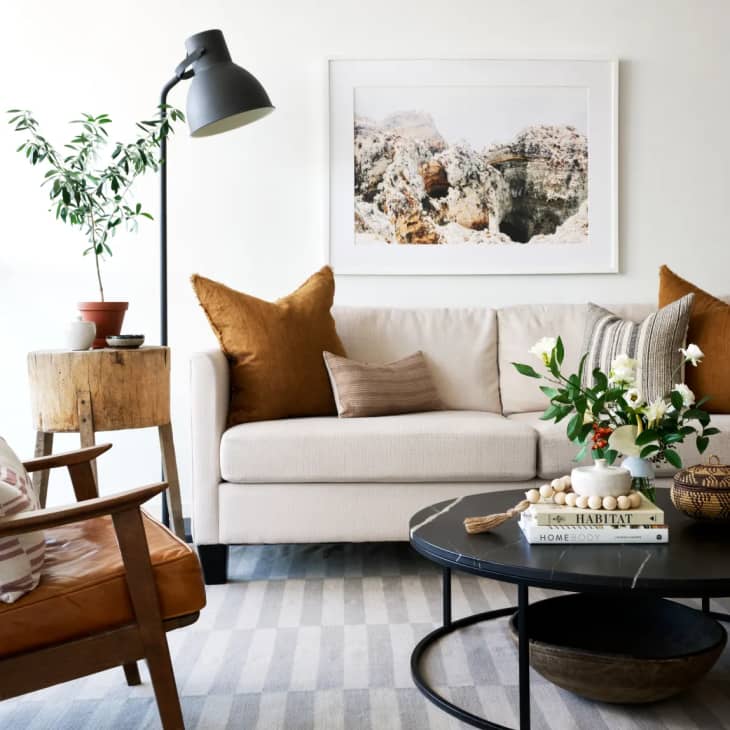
{"type": "Point", "coordinates": [222, 96]}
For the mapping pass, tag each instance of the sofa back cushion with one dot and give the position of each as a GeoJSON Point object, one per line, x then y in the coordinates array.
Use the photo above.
{"type": "Point", "coordinates": [521, 326]}
{"type": "Point", "coordinates": [460, 346]}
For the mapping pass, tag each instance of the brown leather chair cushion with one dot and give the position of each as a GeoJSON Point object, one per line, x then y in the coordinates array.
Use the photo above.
{"type": "Point", "coordinates": [83, 589]}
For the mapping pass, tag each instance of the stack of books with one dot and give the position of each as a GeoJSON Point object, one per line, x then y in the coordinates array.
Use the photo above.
{"type": "Point", "coordinates": [547, 523]}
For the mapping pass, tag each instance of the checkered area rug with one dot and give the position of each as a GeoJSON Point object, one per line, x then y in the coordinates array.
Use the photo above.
{"type": "Point", "coordinates": [320, 637]}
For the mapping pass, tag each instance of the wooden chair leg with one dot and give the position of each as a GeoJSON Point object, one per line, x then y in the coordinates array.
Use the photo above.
{"type": "Point", "coordinates": [163, 683]}
{"type": "Point", "coordinates": [169, 468]}
{"type": "Point", "coordinates": [142, 590]}
{"type": "Point", "coordinates": [131, 673]}
{"type": "Point", "coordinates": [84, 483]}
{"type": "Point", "coordinates": [43, 447]}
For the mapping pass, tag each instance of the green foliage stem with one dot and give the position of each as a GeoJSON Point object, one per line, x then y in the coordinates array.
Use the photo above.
{"type": "Point", "coordinates": [604, 405]}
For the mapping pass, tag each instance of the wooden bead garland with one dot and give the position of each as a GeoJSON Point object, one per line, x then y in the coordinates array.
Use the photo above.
{"type": "Point", "coordinates": [560, 492]}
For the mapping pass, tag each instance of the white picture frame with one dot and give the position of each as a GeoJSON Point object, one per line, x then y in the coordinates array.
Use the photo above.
{"type": "Point", "coordinates": [546, 88]}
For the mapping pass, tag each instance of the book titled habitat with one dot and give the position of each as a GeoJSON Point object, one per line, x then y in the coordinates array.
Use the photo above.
{"type": "Point", "coordinates": [549, 514]}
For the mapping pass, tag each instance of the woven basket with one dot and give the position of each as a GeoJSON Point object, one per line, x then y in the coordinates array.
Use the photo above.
{"type": "Point", "coordinates": [703, 491]}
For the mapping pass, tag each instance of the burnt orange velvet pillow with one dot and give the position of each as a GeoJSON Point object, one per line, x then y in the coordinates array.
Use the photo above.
{"type": "Point", "coordinates": [709, 329]}
{"type": "Point", "coordinates": [275, 348]}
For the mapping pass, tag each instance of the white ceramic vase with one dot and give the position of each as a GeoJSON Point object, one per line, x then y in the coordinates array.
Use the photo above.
{"type": "Point", "coordinates": [601, 480]}
{"type": "Point", "coordinates": [80, 334]}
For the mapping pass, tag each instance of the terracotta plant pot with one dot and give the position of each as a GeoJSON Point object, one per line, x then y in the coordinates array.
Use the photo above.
{"type": "Point", "coordinates": [108, 317]}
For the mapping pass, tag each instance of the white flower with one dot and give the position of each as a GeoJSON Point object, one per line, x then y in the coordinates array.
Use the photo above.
{"type": "Point", "coordinates": [634, 398]}
{"type": "Point", "coordinates": [623, 440]}
{"type": "Point", "coordinates": [692, 354]}
{"type": "Point", "coordinates": [688, 397]}
{"type": "Point", "coordinates": [656, 411]}
{"type": "Point", "coordinates": [544, 348]}
{"type": "Point", "coordinates": [623, 369]}
{"type": "Point", "coordinates": [623, 361]}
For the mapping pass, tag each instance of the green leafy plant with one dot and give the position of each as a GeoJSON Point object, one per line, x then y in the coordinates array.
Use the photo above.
{"type": "Point", "coordinates": [611, 416]}
{"type": "Point", "coordinates": [89, 195]}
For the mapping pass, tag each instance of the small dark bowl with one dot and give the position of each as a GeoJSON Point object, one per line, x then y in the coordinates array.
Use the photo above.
{"type": "Point", "coordinates": [128, 342]}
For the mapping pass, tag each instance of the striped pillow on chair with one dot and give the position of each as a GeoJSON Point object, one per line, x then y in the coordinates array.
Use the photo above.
{"type": "Point", "coordinates": [21, 556]}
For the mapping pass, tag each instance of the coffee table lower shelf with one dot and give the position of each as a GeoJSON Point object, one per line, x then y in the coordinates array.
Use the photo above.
{"type": "Point", "coordinates": [709, 643]}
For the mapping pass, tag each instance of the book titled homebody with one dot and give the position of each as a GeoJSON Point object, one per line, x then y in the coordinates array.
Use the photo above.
{"type": "Point", "coordinates": [596, 534]}
{"type": "Point", "coordinates": [547, 514]}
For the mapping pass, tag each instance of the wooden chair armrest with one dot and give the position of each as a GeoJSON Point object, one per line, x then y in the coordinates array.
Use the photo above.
{"type": "Point", "coordinates": [44, 519]}
{"type": "Point", "coordinates": [67, 458]}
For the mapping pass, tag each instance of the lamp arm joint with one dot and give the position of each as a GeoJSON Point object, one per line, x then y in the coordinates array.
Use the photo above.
{"type": "Point", "coordinates": [183, 70]}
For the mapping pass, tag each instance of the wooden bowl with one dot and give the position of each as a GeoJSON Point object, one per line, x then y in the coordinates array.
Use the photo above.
{"type": "Point", "coordinates": [623, 649]}
{"type": "Point", "coordinates": [703, 491]}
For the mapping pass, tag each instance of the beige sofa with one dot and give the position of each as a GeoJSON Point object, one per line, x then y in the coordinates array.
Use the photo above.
{"type": "Point", "coordinates": [331, 480]}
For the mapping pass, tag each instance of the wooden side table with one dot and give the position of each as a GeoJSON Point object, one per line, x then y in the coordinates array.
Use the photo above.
{"type": "Point", "coordinates": [104, 390]}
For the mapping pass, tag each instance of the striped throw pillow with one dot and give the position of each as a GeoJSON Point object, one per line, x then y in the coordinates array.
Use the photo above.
{"type": "Point", "coordinates": [365, 389]}
{"type": "Point", "coordinates": [653, 343]}
{"type": "Point", "coordinates": [21, 557]}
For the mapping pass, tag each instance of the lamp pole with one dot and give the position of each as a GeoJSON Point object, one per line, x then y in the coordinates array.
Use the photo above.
{"type": "Point", "coordinates": [163, 215]}
{"type": "Point", "coordinates": [181, 72]}
{"type": "Point", "coordinates": [222, 96]}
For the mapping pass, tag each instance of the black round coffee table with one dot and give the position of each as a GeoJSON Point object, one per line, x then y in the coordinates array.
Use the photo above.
{"type": "Point", "coordinates": [694, 564]}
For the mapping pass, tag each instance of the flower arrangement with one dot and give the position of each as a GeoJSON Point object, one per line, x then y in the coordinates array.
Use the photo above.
{"type": "Point", "coordinates": [611, 417]}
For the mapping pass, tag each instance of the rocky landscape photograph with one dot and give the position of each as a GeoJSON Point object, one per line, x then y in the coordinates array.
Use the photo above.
{"type": "Point", "coordinates": [470, 165]}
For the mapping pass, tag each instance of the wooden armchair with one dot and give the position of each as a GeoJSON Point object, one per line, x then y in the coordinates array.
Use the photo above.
{"type": "Point", "coordinates": [113, 582]}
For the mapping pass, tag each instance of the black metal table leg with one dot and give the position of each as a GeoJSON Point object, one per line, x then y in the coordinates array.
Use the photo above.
{"type": "Point", "coordinates": [446, 596]}
{"type": "Point", "coordinates": [428, 641]}
{"type": "Point", "coordinates": [524, 656]}
{"type": "Point", "coordinates": [705, 604]}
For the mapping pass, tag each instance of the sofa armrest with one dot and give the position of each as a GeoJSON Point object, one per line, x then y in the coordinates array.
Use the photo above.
{"type": "Point", "coordinates": [209, 395]}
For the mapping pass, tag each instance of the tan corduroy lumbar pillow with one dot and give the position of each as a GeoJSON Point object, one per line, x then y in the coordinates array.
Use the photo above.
{"type": "Point", "coordinates": [364, 389]}
{"type": "Point", "coordinates": [709, 329]}
{"type": "Point", "coordinates": [275, 348]}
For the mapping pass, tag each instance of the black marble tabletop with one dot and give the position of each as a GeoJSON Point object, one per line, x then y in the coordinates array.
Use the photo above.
{"type": "Point", "coordinates": [695, 562]}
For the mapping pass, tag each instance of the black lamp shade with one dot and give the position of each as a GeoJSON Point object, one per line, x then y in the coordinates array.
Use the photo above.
{"type": "Point", "coordinates": [222, 95]}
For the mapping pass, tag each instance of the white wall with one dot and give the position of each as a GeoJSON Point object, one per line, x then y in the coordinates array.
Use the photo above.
{"type": "Point", "coordinates": [248, 207]}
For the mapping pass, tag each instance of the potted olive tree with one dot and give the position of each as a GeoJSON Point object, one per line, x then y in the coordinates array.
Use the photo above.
{"type": "Point", "coordinates": [94, 196]}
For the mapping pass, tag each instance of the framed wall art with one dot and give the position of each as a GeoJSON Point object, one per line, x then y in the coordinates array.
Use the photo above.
{"type": "Point", "coordinates": [473, 166]}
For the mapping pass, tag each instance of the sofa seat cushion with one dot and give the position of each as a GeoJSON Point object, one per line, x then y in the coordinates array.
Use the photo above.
{"type": "Point", "coordinates": [415, 447]}
{"type": "Point", "coordinates": [555, 453]}
{"type": "Point", "coordinates": [83, 589]}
